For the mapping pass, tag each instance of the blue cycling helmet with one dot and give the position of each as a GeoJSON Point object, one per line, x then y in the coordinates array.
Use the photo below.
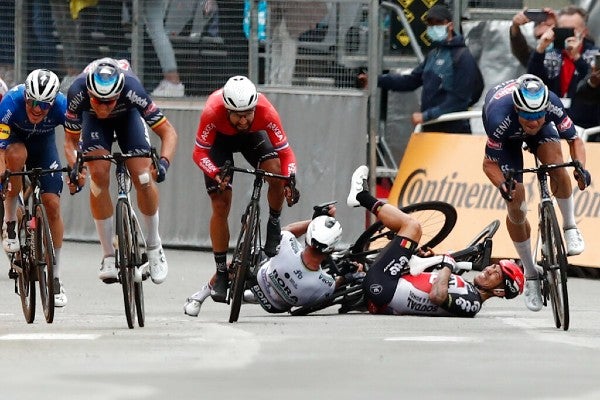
{"type": "Point", "coordinates": [105, 80]}
{"type": "Point", "coordinates": [531, 94]}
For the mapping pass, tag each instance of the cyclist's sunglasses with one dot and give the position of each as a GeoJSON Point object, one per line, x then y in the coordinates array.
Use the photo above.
{"type": "Point", "coordinates": [531, 116]}
{"type": "Point", "coordinates": [96, 100]}
{"type": "Point", "coordinates": [43, 105]}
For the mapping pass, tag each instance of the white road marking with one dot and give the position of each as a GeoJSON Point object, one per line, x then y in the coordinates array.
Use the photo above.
{"type": "Point", "coordinates": [433, 339]}
{"type": "Point", "coordinates": [50, 336]}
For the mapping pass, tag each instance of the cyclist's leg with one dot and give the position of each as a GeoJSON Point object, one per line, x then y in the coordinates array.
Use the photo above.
{"type": "Point", "coordinates": [551, 153]}
{"type": "Point", "coordinates": [260, 153]}
{"type": "Point", "coordinates": [15, 156]}
{"type": "Point", "coordinates": [221, 151]}
{"type": "Point", "coordinates": [100, 201]}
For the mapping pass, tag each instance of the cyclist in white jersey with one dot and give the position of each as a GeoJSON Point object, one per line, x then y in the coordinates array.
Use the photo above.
{"type": "Point", "coordinates": [294, 276]}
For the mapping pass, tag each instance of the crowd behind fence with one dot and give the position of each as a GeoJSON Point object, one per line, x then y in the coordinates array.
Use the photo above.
{"type": "Point", "coordinates": [190, 47]}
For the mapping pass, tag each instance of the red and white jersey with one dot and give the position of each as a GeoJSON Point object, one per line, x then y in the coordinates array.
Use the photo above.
{"type": "Point", "coordinates": [412, 297]}
{"type": "Point", "coordinates": [214, 119]}
{"type": "Point", "coordinates": [286, 282]}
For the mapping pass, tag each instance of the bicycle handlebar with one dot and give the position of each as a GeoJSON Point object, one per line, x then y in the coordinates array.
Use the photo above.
{"type": "Point", "coordinates": [509, 174]}
{"type": "Point", "coordinates": [115, 158]}
{"type": "Point", "coordinates": [37, 172]}
{"type": "Point", "coordinates": [228, 168]}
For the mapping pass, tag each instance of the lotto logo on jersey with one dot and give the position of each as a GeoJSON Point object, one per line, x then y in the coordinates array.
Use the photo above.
{"type": "Point", "coordinates": [4, 131]}
{"type": "Point", "coordinates": [565, 124]}
{"type": "Point", "coordinates": [492, 144]}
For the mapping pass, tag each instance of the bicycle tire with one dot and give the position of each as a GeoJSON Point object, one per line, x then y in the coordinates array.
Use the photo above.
{"type": "Point", "coordinates": [437, 220]}
{"type": "Point", "coordinates": [242, 259]}
{"type": "Point", "coordinates": [125, 260]}
{"type": "Point", "coordinates": [25, 278]}
{"type": "Point", "coordinates": [45, 260]}
{"type": "Point", "coordinates": [140, 258]}
{"type": "Point", "coordinates": [554, 262]}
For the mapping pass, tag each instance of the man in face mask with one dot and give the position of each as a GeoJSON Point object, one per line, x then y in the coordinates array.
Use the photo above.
{"type": "Point", "coordinates": [449, 76]}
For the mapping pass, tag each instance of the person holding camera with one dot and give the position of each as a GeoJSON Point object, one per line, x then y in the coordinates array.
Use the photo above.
{"type": "Point", "coordinates": [543, 20]}
{"type": "Point", "coordinates": [562, 58]}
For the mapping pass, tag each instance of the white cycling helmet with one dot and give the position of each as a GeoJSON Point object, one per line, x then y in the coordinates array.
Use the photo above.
{"type": "Point", "coordinates": [323, 233]}
{"type": "Point", "coordinates": [105, 80]}
{"type": "Point", "coordinates": [239, 94]}
{"type": "Point", "coordinates": [531, 94]}
{"type": "Point", "coordinates": [42, 85]}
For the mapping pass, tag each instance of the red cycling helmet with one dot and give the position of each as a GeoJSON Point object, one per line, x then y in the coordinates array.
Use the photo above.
{"type": "Point", "coordinates": [514, 280]}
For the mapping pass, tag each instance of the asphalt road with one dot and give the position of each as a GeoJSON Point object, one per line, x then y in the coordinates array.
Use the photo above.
{"type": "Point", "coordinates": [506, 352]}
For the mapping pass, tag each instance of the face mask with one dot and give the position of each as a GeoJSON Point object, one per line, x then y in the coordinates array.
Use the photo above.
{"type": "Point", "coordinates": [437, 33]}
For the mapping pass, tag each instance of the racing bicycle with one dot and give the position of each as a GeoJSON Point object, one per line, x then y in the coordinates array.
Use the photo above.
{"type": "Point", "coordinates": [130, 246]}
{"type": "Point", "coordinates": [247, 253]}
{"type": "Point", "coordinates": [550, 249]}
{"type": "Point", "coordinates": [35, 259]}
{"type": "Point", "coordinates": [437, 219]}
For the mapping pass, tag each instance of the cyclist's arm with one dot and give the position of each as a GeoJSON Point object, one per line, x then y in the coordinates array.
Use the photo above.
{"type": "Point", "coordinates": [577, 150]}
{"type": "Point", "coordinates": [493, 172]}
{"type": "Point", "coordinates": [168, 138]}
{"type": "Point", "coordinates": [439, 288]}
{"type": "Point", "coordinates": [297, 228]}
{"type": "Point", "coordinates": [71, 146]}
{"type": "Point", "coordinates": [268, 117]}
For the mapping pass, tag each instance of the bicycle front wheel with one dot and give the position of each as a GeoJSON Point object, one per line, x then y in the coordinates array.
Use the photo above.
{"type": "Point", "coordinates": [554, 261]}
{"type": "Point", "coordinates": [45, 260]}
{"type": "Point", "coordinates": [26, 277]}
{"type": "Point", "coordinates": [125, 259]}
{"type": "Point", "coordinates": [140, 258]}
{"type": "Point", "coordinates": [437, 220]}
{"type": "Point", "coordinates": [242, 258]}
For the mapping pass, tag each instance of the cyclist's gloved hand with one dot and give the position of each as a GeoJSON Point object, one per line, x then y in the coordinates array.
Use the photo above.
{"type": "Point", "coordinates": [583, 181]}
{"type": "Point", "coordinates": [352, 277]}
{"type": "Point", "coordinates": [506, 188]}
{"type": "Point", "coordinates": [322, 209]}
{"type": "Point", "coordinates": [74, 186]}
{"type": "Point", "coordinates": [163, 167]}
{"type": "Point", "coordinates": [449, 262]}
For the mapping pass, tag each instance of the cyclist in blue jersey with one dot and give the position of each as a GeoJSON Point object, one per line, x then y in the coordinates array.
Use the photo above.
{"type": "Point", "coordinates": [29, 114]}
{"type": "Point", "coordinates": [524, 110]}
{"type": "Point", "coordinates": [107, 103]}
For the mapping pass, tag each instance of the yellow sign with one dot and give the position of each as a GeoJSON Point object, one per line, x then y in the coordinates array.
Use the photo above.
{"type": "Point", "coordinates": [448, 167]}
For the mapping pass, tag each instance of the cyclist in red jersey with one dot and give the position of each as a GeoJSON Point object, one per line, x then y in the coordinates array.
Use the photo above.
{"type": "Point", "coordinates": [235, 119]}
{"type": "Point", "coordinates": [389, 287]}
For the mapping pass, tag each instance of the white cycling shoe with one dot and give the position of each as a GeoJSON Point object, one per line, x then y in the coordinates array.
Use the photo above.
{"type": "Point", "coordinates": [108, 270]}
{"type": "Point", "coordinates": [357, 185]}
{"type": "Point", "coordinates": [158, 265]}
{"type": "Point", "coordinates": [574, 241]}
{"type": "Point", "coordinates": [533, 294]}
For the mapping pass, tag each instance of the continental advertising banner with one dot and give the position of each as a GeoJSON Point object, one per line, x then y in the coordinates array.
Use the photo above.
{"type": "Point", "coordinates": [448, 167]}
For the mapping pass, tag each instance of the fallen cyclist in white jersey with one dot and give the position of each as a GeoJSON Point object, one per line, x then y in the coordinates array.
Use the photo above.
{"type": "Point", "coordinates": [294, 276]}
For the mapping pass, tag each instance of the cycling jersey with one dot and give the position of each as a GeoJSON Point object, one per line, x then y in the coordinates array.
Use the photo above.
{"type": "Point", "coordinates": [505, 133]}
{"type": "Point", "coordinates": [133, 96]}
{"type": "Point", "coordinates": [412, 297]}
{"type": "Point", "coordinates": [284, 281]}
{"type": "Point", "coordinates": [214, 120]}
{"type": "Point", "coordinates": [39, 139]}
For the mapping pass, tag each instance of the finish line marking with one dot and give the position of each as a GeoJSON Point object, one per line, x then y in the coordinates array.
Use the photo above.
{"type": "Point", "coordinates": [442, 339]}
{"type": "Point", "coordinates": [50, 336]}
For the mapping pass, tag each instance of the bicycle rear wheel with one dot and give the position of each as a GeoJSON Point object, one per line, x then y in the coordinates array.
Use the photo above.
{"type": "Point", "coordinates": [242, 258]}
{"type": "Point", "coordinates": [437, 220]}
{"type": "Point", "coordinates": [26, 277]}
{"type": "Point", "coordinates": [554, 261]}
{"type": "Point", "coordinates": [45, 260]}
{"type": "Point", "coordinates": [125, 259]}
{"type": "Point", "coordinates": [140, 258]}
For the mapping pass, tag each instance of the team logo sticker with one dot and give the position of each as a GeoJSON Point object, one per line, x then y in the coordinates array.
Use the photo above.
{"type": "Point", "coordinates": [376, 288]}
{"type": "Point", "coordinates": [4, 131]}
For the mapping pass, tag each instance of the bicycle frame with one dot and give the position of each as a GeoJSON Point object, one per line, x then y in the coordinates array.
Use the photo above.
{"type": "Point", "coordinates": [131, 244]}
{"type": "Point", "coordinates": [550, 244]}
{"type": "Point", "coordinates": [248, 248]}
{"type": "Point", "coordinates": [35, 259]}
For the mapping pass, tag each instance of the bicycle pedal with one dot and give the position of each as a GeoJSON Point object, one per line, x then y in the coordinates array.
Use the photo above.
{"type": "Point", "coordinates": [12, 273]}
